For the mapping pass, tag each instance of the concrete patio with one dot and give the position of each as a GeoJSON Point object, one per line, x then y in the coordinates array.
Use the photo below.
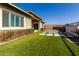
{"type": "Point", "coordinates": [51, 33]}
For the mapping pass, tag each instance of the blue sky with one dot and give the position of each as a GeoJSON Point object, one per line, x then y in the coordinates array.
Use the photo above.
{"type": "Point", "coordinates": [54, 13]}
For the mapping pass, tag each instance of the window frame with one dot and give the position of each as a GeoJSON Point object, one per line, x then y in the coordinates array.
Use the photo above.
{"type": "Point", "coordinates": [17, 19]}
{"type": "Point", "coordinates": [3, 18]}
{"type": "Point", "coordinates": [21, 21]}
{"type": "Point", "coordinates": [10, 12]}
{"type": "Point", "coordinates": [12, 15]}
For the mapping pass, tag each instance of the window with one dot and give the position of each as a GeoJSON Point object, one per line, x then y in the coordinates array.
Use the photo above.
{"type": "Point", "coordinates": [17, 20]}
{"type": "Point", "coordinates": [22, 22]}
{"type": "Point", "coordinates": [12, 19]}
{"type": "Point", "coordinates": [5, 22]}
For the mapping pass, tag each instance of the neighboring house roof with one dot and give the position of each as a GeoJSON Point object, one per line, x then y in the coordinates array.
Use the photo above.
{"type": "Point", "coordinates": [32, 13]}
{"type": "Point", "coordinates": [73, 24]}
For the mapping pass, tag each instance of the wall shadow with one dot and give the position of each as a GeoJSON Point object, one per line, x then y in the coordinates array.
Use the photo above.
{"type": "Point", "coordinates": [62, 37]}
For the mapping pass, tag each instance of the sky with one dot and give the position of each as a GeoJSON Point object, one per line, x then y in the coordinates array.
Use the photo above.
{"type": "Point", "coordinates": [54, 13]}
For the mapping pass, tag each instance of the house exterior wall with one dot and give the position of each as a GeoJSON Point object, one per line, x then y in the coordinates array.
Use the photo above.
{"type": "Point", "coordinates": [41, 25]}
{"type": "Point", "coordinates": [28, 23]}
{"type": "Point", "coordinates": [78, 27]}
{"type": "Point", "coordinates": [71, 28]}
{"type": "Point", "coordinates": [27, 20]}
{"type": "Point", "coordinates": [0, 17]}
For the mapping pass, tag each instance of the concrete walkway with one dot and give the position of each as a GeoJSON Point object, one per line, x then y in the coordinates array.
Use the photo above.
{"type": "Point", "coordinates": [51, 33]}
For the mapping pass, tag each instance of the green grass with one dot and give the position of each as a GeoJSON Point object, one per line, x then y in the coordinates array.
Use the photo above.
{"type": "Point", "coordinates": [35, 45]}
{"type": "Point", "coordinates": [74, 47]}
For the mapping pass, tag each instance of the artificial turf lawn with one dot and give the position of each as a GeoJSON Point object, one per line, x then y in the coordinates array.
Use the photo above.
{"type": "Point", "coordinates": [74, 47]}
{"type": "Point", "coordinates": [35, 45]}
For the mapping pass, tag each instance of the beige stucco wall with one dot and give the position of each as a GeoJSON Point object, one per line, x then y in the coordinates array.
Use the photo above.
{"type": "Point", "coordinates": [27, 20]}
{"type": "Point", "coordinates": [41, 25]}
{"type": "Point", "coordinates": [27, 23]}
{"type": "Point", "coordinates": [0, 17]}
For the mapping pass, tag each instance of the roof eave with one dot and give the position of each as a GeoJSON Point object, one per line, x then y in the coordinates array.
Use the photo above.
{"type": "Point", "coordinates": [18, 8]}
